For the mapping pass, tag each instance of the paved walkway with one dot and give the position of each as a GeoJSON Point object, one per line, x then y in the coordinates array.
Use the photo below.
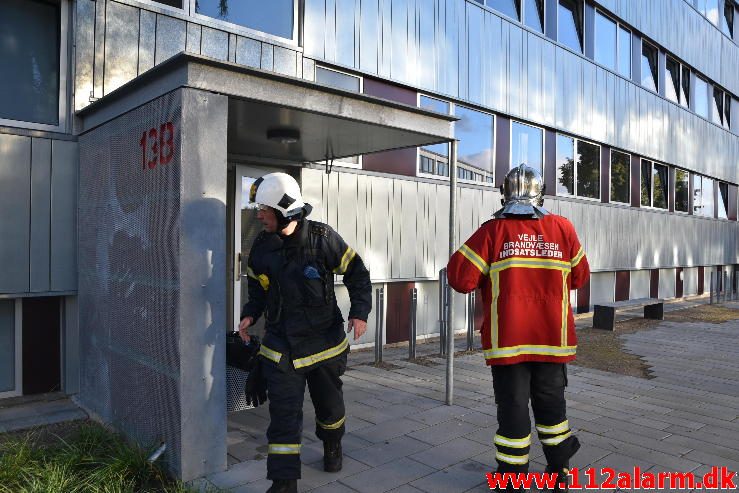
{"type": "Point", "coordinates": [20, 413]}
{"type": "Point", "coordinates": [402, 438]}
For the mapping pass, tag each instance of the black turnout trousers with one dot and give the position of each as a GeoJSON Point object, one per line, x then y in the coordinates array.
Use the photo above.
{"type": "Point", "coordinates": [543, 384]}
{"type": "Point", "coordinates": [286, 390]}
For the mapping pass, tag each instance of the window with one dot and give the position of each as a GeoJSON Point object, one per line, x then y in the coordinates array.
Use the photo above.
{"type": "Point", "coordinates": [620, 177]}
{"type": "Point", "coordinates": [474, 129]}
{"type": "Point", "coordinates": [276, 17]}
{"type": "Point", "coordinates": [682, 191]}
{"type": "Point", "coordinates": [171, 3]}
{"type": "Point", "coordinates": [624, 52]}
{"type": "Point", "coordinates": [533, 14]}
{"type": "Point", "coordinates": [649, 77]}
{"type": "Point", "coordinates": [701, 97]}
{"type": "Point", "coordinates": [339, 80]}
{"type": "Point", "coordinates": [727, 111]}
{"type": "Point", "coordinates": [717, 115]}
{"type": "Point", "coordinates": [578, 168]}
{"type": "Point", "coordinates": [727, 24]}
{"type": "Point", "coordinates": [654, 183]}
{"type": "Point", "coordinates": [569, 24]}
{"type": "Point", "coordinates": [508, 7]}
{"type": "Point", "coordinates": [527, 146]}
{"type": "Point", "coordinates": [30, 61]}
{"type": "Point", "coordinates": [672, 80]}
{"type": "Point", "coordinates": [685, 87]}
{"type": "Point", "coordinates": [702, 196]}
{"type": "Point", "coordinates": [711, 11]}
{"type": "Point", "coordinates": [605, 40]}
{"type": "Point", "coordinates": [723, 200]}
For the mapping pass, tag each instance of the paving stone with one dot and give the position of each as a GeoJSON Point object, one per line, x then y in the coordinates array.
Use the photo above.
{"type": "Point", "coordinates": [443, 432]}
{"type": "Point", "coordinates": [388, 476]}
{"type": "Point", "coordinates": [383, 452]}
{"type": "Point", "coordinates": [245, 472]}
{"type": "Point", "coordinates": [439, 414]}
{"type": "Point", "coordinates": [313, 475]}
{"type": "Point", "coordinates": [389, 429]}
{"type": "Point", "coordinates": [458, 478]}
{"type": "Point", "coordinates": [449, 453]}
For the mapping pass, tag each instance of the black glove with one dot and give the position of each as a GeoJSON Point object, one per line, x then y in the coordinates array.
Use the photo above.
{"type": "Point", "coordinates": [255, 387]}
{"type": "Point", "coordinates": [240, 354]}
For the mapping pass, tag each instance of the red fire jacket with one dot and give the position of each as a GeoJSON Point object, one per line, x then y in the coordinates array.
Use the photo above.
{"type": "Point", "coordinates": [525, 269]}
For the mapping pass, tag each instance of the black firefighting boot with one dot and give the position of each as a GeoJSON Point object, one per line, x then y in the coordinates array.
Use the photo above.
{"type": "Point", "coordinates": [332, 456]}
{"type": "Point", "coordinates": [284, 486]}
{"type": "Point", "coordinates": [563, 479]}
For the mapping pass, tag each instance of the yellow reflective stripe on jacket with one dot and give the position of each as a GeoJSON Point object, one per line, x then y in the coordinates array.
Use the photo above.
{"type": "Point", "coordinates": [331, 426]}
{"type": "Point", "coordinates": [270, 354]}
{"type": "Point", "coordinates": [284, 448]}
{"type": "Point", "coordinates": [512, 459]}
{"type": "Point", "coordinates": [345, 260]}
{"type": "Point", "coordinates": [262, 278]}
{"type": "Point", "coordinates": [512, 442]}
{"type": "Point", "coordinates": [473, 257]}
{"type": "Point", "coordinates": [556, 440]}
{"type": "Point", "coordinates": [551, 430]}
{"type": "Point", "coordinates": [322, 356]}
{"type": "Point", "coordinates": [577, 258]}
{"type": "Point", "coordinates": [565, 309]}
{"type": "Point", "coordinates": [508, 352]}
{"type": "Point", "coordinates": [530, 263]}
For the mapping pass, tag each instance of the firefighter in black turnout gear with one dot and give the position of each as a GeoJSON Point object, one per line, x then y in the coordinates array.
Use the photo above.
{"type": "Point", "coordinates": [291, 270]}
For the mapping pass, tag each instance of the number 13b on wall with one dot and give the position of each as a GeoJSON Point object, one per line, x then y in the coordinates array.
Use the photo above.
{"type": "Point", "coordinates": [157, 146]}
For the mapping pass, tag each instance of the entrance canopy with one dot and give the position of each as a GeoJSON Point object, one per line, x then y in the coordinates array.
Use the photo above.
{"type": "Point", "coordinates": [266, 111]}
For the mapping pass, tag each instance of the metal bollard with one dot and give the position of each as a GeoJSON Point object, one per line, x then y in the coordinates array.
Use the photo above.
{"type": "Point", "coordinates": [724, 285]}
{"type": "Point", "coordinates": [379, 323]}
{"type": "Point", "coordinates": [412, 326]}
{"type": "Point", "coordinates": [471, 300]}
{"type": "Point", "coordinates": [442, 312]}
{"type": "Point", "coordinates": [710, 290]}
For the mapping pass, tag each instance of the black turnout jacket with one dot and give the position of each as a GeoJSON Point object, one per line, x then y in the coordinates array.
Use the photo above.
{"type": "Point", "coordinates": [291, 282]}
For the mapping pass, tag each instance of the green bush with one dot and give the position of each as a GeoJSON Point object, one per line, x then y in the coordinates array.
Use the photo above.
{"type": "Point", "coordinates": [89, 459]}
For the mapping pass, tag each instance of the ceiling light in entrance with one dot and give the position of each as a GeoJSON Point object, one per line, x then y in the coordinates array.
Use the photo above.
{"type": "Point", "coordinates": [283, 135]}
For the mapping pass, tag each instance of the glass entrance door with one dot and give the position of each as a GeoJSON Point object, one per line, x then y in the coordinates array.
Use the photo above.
{"type": "Point", "coordinates": [246, 229]}
{"type": "Point", "coordinates": [10, 353]}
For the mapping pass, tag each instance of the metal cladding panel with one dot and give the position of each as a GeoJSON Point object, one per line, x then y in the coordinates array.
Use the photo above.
{"type": "Point", "coordinates": [214, 43]}
{"type": "Point", "coordinates": [268, 57]}
{"type": "Point", "coordinates": [15, 188]}
{"type": "Point", "coordinates": [369, 34]}
{"type": "Point", "coordinates": [346, 224]}
{"type": "Point", "coordinates": [396, 230]}
{"type": "Point", "coordinates": [421, 226]}
{"type": "Point", "coordinates": [441, 213]}
{"type": "Point", "coordinates": [121, 45]}
{"type": "Point", "coordinates": [639, 284]}
{"type": "Point", "coordinates": [309, 69]}
{"type": "Point", "coordinates": [171, 37]}
{"type": "Point", "coordinates": [602, 287]}
{"type": "Point", "coordinates": [286, 61]}
{"type": "Point", "coordinates": [129, 286]}
{"type": "Point", "coordinates": [314, 26]}
{"type": "Point", "coordinates": [517, 70]}
{"type": "Point", "coordinates": [427, 310]}
{"type": "Point", "coordinates": [84, 53]}
{"type": "Point", "coordinates": [667, 279]}
{"type": "Point", "coordinates": [363, 216]}
{"type": "Point", "coordinates": [475, 33]}
{"type": "Point", "coordinates": [147, 40]}
{"type": "Point", "coordinates": [194, 38]}
{"type": "Point", "coordinates": [99, 55]}
{"type": "Point", "coordinates": [232, 48]}
{"type": "Point", "coordinates": [690, 281]}
{"type": "Point", "coordinates": [40, 215]}
{"type": "Point", "coordinates": [248, 52]}
{"type": "Point", "coordinates": [342, 299]}
{"type": "Point", "coordinates": [379, 257]}
{"type": "Point", "coordinates": [64, 187]}
{"type": "Point", "coordinates": [408, 234]}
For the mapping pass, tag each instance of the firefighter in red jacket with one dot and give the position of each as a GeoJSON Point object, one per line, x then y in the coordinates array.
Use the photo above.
{"type": "Point", "coordinates": [525, 261]}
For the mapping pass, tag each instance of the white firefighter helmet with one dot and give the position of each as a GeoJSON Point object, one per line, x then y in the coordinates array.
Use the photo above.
{"type": "Point", "coordinates": [279, 191]}
{"type": "Point", "coordinates": [523, 193]}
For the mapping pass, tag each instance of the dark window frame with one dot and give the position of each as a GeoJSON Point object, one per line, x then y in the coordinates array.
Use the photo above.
{"type": "Point", "coordinates": [687, 191]}
{"type": "Point", "coordinates": [675, 76]}
{"type": "Point", "coordinates": [575, 169]}
{"type": "Point", "coordinates": [628, 178]}
{"type": "Point", "coordinates": [654, 67]}
{"type": "Point", "coordinates": [717, 108]}
{"type": "Point", "coordinates": [516, 5]}
{"type": "Point", "coordinates": [724, 198]}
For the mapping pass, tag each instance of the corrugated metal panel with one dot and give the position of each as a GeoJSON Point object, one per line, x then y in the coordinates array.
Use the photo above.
{"type": "Point", "coordinates": [475, 33]}
{"type": "Point", "coordinates": [639, 284]}
{"type": "Point", "coordinates": [64, 163]}
{"type": "Point", "coordinates": [214, 44]}
{"type": "Point", "coordinates": [346, 32]}
{"type": "Point", "coordinates": [378, 257]}
{"type": "Point", "coordinates": [315, 28]}
{"type": "Point", "coordinates": [98, 70]}
{"type": "Point", "coordinates": [396, 229]}
{"type": "Point", "coordinates": [171, 34]}
{"type": "Point", "coordinates": [346, 223]}
{"type": "Point", "coordinates": [15, 188]}
{"type": "Point", "coordinates": [690, 281]}
{"type": "Point", "coordinates": [121, 45]}
{"type": "Point", "coordinates": [286, 61]}
{"type": "Point", "coordinates": [309, 69]}
{"type": "Point", "coordinates": [84, 53]}
{"type": "Point", "coordinates": [407, 235]}
{"type": "Point", "coordinates": [517, 68]}
{"type": "Point", "coordinates": [369, 35]}
{"type": "Point", "coordinates": [602, 287]}
{"type": "Point", "coordinates": [385, 53]}
{"type": "Point", "coordinates": [248, 52]}
{"type": "Point", "coordinates": [194, 38]}
{"type": "Point", "coordinates": [267, 61]}
{"type": "Point", "coordinates": [40, 214]}
{"type": "Point", "coordinates": [363, 215]}
{"type": "Point", "coordinates": [147, 40]}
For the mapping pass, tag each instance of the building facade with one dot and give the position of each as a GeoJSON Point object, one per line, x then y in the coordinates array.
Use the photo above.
{"type": "Point", "coordinates": [629, 108]}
